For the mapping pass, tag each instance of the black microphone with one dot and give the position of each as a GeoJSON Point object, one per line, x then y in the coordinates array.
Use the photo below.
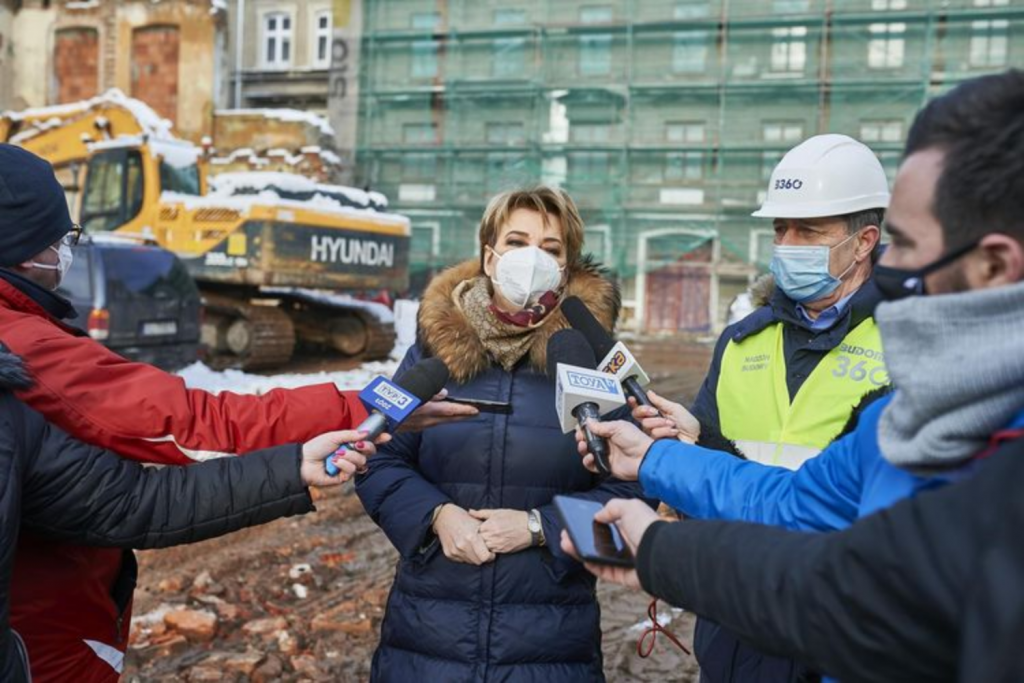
{"type": "Point", "coordinates": [616, 358]}
{"type": "Point", "coordinates": [582, 393]}
{"type": "Point", "coordinates": [390, 402]}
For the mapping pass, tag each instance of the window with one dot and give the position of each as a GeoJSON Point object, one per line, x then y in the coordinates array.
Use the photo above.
{"type": "Point", "coordinates": [505, 134]}
{"type": "Point", "coordinates": [277, 40]}
{"type": "Point", "coordinates": [989, 42]}
{"type": "Point", "coordinates": [886, 46]}
{"type": "Point", "coordinates": [684, 131]}
{"type": "Point", "coordinates": [427, 21]}
{"type": "Point", "coordinates": [183, 180]}
{"type": "Point", "coordinates": [689, 51]}
{"type": "Point", "coordinates": [424, 59]}
{"type": "Point", "coordinates": [590, 133]}
{"type": "Point", "coordinates": [597, 14]}
{"type": "Point", "coordinates": [588, 167]}
{"type": "Point", "coordinates": [694, 9]}
{"type": "Point", "coordinates": [509, 58]}
{"type": "Point", "coordinates": [322, 40]}
{"type": "Point", "coordinates": [881, 130]}
{"type": "Point", "coordinates": [595, 55]}
{"type": "Point", "coordinates": [991, 3]}
{"type": "Point", "coordinates": [419, 167]}
{"type": "Point", "coordinates": [419, 133]}
{"type": "Point", "coordinates": [113, 190]}
{"type": "Point", "coordinates": [505, 171]}
{"type": "Point", "coordinates": [888, 4]}
{"type": "Point", "coordinates": [684, 166]}
{"type": "Point", "coordinates": [790, 6]}
{"type": "Point", "coordinates": [781, 132]}
{"type": "Point", "coordinates": [789, 49]}
{"type": "Point", "coordinates": [509, 17]}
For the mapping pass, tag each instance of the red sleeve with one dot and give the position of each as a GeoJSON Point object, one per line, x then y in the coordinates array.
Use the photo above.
{"type": "Point", "coordinates": [147, 414]}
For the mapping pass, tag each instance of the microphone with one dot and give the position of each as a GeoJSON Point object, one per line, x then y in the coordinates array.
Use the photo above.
{"type": "Point", "coordinates": [582, 393]}
{"type": "Point", "coordinates": [615, 357]}
{"type": "Point", "coordinates": [390, 402]}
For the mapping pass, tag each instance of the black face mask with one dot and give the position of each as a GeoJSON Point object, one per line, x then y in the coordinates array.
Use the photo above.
{"type": "Point", "coordinates": [897, 283]}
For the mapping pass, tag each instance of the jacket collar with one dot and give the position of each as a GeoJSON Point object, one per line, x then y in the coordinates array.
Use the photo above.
{"type": "Point", "coordinates": [445, 332]}
{"type": "Point", "coordinates": [781, 308]}
{"type": "Point", "coordinates": [51, 302]}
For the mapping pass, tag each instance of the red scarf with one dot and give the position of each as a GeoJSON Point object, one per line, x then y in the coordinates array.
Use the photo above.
{"type": "Point", "coordinates": [529, 317]}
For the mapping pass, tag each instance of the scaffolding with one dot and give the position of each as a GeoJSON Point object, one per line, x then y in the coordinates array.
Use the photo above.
{"type": "Point", "coordinates": [663, 118]}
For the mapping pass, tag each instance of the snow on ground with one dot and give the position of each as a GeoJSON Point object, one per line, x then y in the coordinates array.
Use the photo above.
{"type": "Point", "coordinates": [199, 376]}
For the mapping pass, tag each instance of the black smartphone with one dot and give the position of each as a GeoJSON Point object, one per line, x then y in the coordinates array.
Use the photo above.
{"type": "Point", "coordinates": [595, 542]}
{"type": "Point", "coordinates": [484, 406]}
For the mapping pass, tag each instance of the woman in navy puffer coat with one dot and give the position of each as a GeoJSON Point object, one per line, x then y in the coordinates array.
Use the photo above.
{"type": "Point", "coordinates": [477, 597]}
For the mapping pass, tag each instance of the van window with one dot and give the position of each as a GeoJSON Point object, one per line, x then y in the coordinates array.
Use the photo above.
{"type": "Point", "coordinates": [146, 272]}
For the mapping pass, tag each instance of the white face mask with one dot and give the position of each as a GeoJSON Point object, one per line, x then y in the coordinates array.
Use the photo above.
{"type": "Point", "coordinates": [523, 274]}
{"type": "Point", "coordinates": [64, 258]}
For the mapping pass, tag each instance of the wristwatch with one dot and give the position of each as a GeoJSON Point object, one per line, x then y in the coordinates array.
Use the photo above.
{"type": "Point", "coordinates": [535, 527]}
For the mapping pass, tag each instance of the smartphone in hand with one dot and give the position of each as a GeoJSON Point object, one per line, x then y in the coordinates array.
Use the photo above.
{"type": "Point", "coordinates": [595, 542]}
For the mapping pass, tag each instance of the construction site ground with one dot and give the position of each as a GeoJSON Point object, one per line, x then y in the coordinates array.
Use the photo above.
{"type": "Point", "coordinates": [302, 599]}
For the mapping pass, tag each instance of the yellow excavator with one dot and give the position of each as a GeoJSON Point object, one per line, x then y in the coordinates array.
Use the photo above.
{"type": "Point", "coordinates": [279, 258]}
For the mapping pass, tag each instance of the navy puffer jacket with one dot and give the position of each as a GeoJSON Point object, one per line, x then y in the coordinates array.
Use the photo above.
{"type": "Point", "coordinates": [527, 616]}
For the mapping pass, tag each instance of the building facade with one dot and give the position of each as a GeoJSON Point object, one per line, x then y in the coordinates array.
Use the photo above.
{"type": "Point", "coordinates": [284, 56]}
{"type": "Point", "coordinates": [663, 118]}
{"type": "Point", "coordinates": [167, 54]}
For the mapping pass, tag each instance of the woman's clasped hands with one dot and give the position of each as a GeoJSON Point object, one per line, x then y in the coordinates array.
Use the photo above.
{"type": "Point", "coordinates": [478, 536]}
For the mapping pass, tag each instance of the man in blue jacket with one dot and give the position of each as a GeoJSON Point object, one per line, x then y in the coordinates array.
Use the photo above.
{"type": "Point", "coordinates": [953, 276]}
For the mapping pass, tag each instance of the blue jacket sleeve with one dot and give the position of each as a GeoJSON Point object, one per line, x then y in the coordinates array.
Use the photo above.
{"type": "Point", "coordinates": [823, 495]}
{"type": "Point", "coordinates": [395, 494]}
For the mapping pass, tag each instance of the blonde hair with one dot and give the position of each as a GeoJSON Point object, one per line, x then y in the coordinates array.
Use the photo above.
{"type": "Point", "coordinates": [548, 202]}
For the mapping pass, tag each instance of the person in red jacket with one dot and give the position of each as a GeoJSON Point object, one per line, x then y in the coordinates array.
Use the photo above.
{"type": "Point", "coordinates": [72, 604]}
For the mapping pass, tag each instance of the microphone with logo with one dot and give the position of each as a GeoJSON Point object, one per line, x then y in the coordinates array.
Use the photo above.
{"type": "Point", "coordinates": [391, 402]}
{"type": "Point", "coordinates": [582, 393]}
{"type": "Point", "coordinates": [615, 357]}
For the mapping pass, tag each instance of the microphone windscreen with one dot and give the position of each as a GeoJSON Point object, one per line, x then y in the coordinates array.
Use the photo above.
{"type": "Point", "coordinates": [424, 379]}
{"type": "Point", "coordinates": [569, 347]}
{"type": "Point", "coordinates": [580, 317]}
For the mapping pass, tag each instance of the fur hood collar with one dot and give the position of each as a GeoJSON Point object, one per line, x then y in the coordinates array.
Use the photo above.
{"type": "Point", "coordinates": [443, 330]}
{"type": "Point", "coordinates": [13, 374]}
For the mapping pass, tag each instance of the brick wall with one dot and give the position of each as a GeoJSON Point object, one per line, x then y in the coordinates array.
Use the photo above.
{"type": "Point", "coordinates": [154, 68]}
{"type": "Point", "coordinates": [76, 64]}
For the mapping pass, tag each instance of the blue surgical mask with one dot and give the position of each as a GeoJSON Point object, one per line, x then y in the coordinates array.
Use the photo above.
{"type": "Point", "coordinates": [802, 272]}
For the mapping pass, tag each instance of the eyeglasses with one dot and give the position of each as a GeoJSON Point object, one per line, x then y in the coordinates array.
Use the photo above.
{"type": "Point", "coordinates": [72, 237]}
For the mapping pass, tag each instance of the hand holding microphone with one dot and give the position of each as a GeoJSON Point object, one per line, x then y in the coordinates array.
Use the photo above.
{"type": "Point", "coordinates": [391, 402]}
{"type": "Point", "coordinates": [658, 416]}
{"type": "Point", "coordinates": [582, 394]}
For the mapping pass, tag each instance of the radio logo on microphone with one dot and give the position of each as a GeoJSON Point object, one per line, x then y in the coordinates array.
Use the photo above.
{"type": "Point", "coordinates": [616, 364]}
{"type": "Point", "coordinates": [393, 395]}
{"type": "Point", "coordinates": [583, 381]}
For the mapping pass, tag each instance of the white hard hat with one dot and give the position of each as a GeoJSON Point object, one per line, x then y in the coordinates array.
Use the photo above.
{"type": "Point", "coordinates": [827, 175]}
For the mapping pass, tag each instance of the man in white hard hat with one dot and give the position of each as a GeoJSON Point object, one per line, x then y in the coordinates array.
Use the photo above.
{"type": "Point", "coordinates": [784, 380]}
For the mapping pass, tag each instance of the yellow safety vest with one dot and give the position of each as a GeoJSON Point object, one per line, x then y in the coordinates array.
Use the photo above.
{"type": "Point", "coordinates": [753, 399]}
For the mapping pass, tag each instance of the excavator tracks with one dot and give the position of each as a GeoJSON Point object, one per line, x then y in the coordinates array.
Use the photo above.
{"type": "Point", "coordinates": [246, 336]}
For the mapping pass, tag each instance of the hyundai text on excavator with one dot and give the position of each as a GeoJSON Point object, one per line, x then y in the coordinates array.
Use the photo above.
{"type": "Point", "coordinates": [278, 258]}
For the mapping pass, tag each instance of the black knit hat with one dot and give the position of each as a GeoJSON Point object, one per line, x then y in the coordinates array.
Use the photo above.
{"type": "Point", "coordinates": [33, 209]}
